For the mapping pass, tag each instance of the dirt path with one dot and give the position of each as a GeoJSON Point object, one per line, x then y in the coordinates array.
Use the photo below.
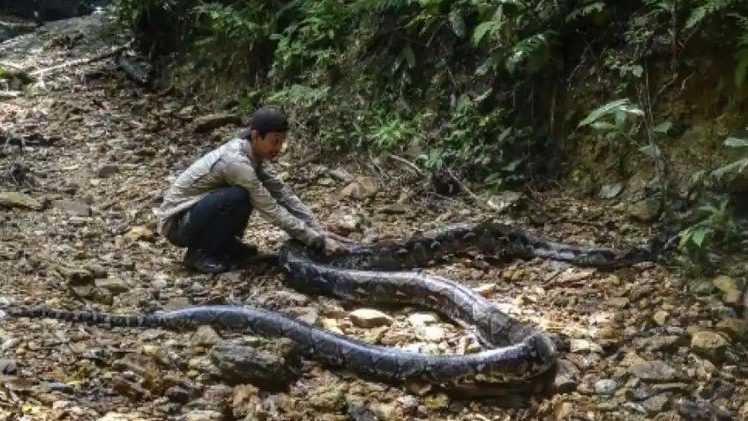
{"type": "Point", "coordinates": [98, 153]}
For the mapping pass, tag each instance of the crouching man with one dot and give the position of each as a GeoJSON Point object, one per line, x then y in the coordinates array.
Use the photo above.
{"type": "Point", "coordinates": [207, 208]}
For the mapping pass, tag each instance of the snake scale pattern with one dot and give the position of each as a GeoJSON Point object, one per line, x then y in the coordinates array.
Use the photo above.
{"type": "Point", "coordinates": [517, 357]}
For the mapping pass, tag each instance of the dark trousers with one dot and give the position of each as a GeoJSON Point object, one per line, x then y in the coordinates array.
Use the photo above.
{"type": "Point", "coordinates": [214, 222]}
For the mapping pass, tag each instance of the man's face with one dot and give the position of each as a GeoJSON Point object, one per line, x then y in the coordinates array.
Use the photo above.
{"type": "Point", "coordinates": [268, 147]}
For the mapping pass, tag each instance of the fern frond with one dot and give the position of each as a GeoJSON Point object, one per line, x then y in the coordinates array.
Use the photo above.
{"type": "Point", "coordinates": [709, 8]}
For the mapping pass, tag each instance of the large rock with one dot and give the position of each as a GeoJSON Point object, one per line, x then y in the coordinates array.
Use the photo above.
{"type": "Point", "coordinates": [709, 344]}
{"type": "Point", "coordinates": [205, 336]}
{"type": "Point", "coordinates": [731, 289]}
{"type": "Point", "coordinates": [18, 200]}
{"type": "Point", "coordinates": [361, 188]}
{"type": "Point", "coordinates": [736, 328]}
{"type": "Point", "coordinates": [213, 121]}
{"type": "Point", "coordinates": [645, 210]}
{"type": "Point", "coordinates": [242, 364]}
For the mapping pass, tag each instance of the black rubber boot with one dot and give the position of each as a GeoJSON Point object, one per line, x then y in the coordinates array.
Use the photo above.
{"type": "Point", "coordinates": [202, 261]}
{"type": "Point", "coordinates": [239, 254]}
{"type": "Point", "coordinates": [239, 250]}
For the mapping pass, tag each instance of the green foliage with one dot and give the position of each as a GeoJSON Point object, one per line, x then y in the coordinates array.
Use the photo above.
{"type": "Point", "coordinates": [299, 94]}
{"type": "Point", "coordinates": [130, 12]}
{"type": "Point", "coordinates": [708, 8]}
{"type": "Point", "coordinates": [230, 36]}
{"type": "Point", "coordinates": [615, 119]}
{"type": "Point", "coordinates": [714, 229]}
{"type": "Point", "coordinates": [588, 8]}
{"type": "Point", "coordinates": [481, 140]}
{"type": "Point", "coordinates": [391, 132]}
{"type": "Point", "coordinates": [741, 56]}
{"type": "Point", "coordinates": [312, 39]}
{"type": "Point", "coordinates": [396, 72]}
{"type": "Point", "coordinates": [727, 172]}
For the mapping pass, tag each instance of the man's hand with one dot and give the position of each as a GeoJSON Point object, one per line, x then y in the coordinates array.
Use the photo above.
{"type": "Point", "coordinates": [332, 247]}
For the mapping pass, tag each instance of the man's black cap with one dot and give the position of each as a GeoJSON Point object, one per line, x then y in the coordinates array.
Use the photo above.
{"type": "Point", "coordinates": [268, 119]}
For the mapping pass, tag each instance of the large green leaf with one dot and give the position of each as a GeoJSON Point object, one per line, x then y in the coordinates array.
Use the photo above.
{"type": "Point", "coordinates": [696, 17]}
{"type": "Point", "coordinates": [457, 22]}
{"type": "Point", "coordinates": [736, 142]}
{"type": "Point", "coordinates": [482, 29]}
{"type": "Point", "coordinates": [698, 235]}
{"type": "Point", "coordinates": [732, 168]}
{"type": "Point", "coordinates": [741, 67]}
{"type": "Point", "coordinates": [663, 128]}
{"type": "Point", "coordinates": [651, 151]}
{"type": "Point", "coordinates": [608, 108]}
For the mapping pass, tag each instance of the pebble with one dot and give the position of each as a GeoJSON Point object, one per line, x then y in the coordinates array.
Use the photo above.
{"type": "Point", "coordinates": [203, 415]}
{"type": "Point", "coordinates": [567, 378]}
{"type": "Point", "coordinates": [242, 364]}
{"type": "Point", "coordinates": [107, 170]}
{"type": "Point", "coordinates": [113, 285]}
{"type": "Point", "coordinates": [436, 402]}
{"type": "Point", "coordinates": [361, 188]}
{"type": "Point", "coordinates": [73, 207]}
{"type": "Point", "coordinates": [409, 403]}
{"type": "Point", "coordinates": [485, 290]}
{"type": "Point", "coordinates": [660, 317]}
{"type": "Point", "coordinates": [431, 333]}
{"type": "Point", "coordinates": [367, 318]}
{"type": "Point", "coordinates": [205, 336]}
{"type": "Point", "coordinates": [653, 371]}
{"type": "Point", "coordinates": [422, 319]}
{"type": "Point", "coordinates": [385, 412]}
{"type": "Point", "coordinates": [584, 345]}
{"type": "Point", "coordinates": [656, 403]}
{"type": "Point", "coordinates": [663, 343]}
{"type": "Point", "coordinates": [563, 411]}
{"type": "Point", "coordinates": [8, 366]}
{"type": "Point", "coordinates": [605, 387]}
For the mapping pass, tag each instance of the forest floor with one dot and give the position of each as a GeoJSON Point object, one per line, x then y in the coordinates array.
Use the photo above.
{"type": "Point", "coordinates": [77, 231]}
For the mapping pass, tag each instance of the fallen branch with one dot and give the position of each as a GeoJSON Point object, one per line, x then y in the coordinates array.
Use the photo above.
{"type": "Point", "coordinates": [407, 163]}
{"type": "Point", "coordinates": [11, 66]}
{"type": "Point", "coordinates": [79, 62]}
{"type": "Point", "coordinates": [480, 202]}
{"type": "Point", "coordinates": [9, 94]}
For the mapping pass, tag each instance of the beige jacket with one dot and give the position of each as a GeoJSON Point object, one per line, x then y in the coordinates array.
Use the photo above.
{"type": "Point", "coordinates": [232, 164]}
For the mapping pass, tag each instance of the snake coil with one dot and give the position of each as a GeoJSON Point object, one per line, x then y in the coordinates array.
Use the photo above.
{"type": "Point", "coordinates": [517, 356]}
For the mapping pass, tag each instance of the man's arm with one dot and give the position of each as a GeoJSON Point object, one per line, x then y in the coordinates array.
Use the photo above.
{"type": "Point", "coordinates": [242, 174]}
{"type": "Point", "coordinates": [286, 197]}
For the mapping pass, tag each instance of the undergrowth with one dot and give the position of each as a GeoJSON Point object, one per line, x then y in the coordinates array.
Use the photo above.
{"type": "Point", "coordinates": [473, 86]}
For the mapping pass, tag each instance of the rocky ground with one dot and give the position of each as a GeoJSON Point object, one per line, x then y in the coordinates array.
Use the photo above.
{"type": "Point", "coordinates": [86, 154]}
